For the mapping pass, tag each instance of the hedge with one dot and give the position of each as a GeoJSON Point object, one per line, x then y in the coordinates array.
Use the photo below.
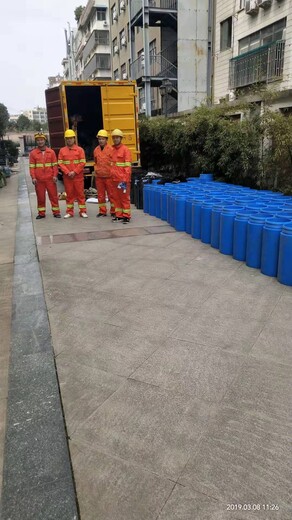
{"type": "Point", "coordinates": [253, 151]}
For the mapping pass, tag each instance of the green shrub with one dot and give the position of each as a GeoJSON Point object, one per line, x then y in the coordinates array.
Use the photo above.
{"type": "Point", "coordinates": [256, 152]}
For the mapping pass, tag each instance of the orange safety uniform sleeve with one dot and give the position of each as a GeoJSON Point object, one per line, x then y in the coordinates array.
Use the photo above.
{"type": "Point", "coordinates": [55, 162]}
{"type": "Point", "coordinates": [79, 161]}
{"type": "Point", "coordinates": [102, 161]}
{"type": "Point", "coordinates": [32, 163]}
{"type": "Point", "coordinates": [121, 164]}
{"type": "Point", "coordinates": [43, 164]}
{"type": "Point", "coordinates": [63, 161]}
{"type": "Point", "coordinates": [71, 159]}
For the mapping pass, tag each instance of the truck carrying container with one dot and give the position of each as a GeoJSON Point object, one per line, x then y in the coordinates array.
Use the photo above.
{"type": "Point", "coordinates": [88, 106]}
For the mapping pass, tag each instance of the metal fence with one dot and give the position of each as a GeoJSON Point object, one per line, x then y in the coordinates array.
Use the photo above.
{"type": "Point", "coordinates": [159, 67]}
{"type": "Point", "coordinates": [260, 65]}
{"type": "Point", "coordinates": [136, 5]}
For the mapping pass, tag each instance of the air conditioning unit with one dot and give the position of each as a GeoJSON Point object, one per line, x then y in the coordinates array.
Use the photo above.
{"type": "Point", "coordinates": [251, 7]}
{"type": "Point", "coordinates": [143, 108]}
{"type": "Point", "coordinates": [264, 3]}
{"type": "Point", "coordinates": [231, 96]}
{"type": "Point", "coordinates": [105, 24]}
{"type": "Point", "coordinates": [123, 41]}
{"type": "Point", "coordinates": [125, 75]}
{"type": "Point", "coordinates": [116, 49]}
{"type": "Point", "coordinates": [115, 15]}
{"type": "Point", "coordinates": [122, 5]}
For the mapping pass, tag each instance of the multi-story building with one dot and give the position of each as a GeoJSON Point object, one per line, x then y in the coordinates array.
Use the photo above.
{"type": "Point", "coordinates": [92, 42]}
{"type": "Point", "coordinates": [36, 114]}
{"type": "Point", "coordinates": [252, 48]}
{"type": "Point", "coordinates": [128, 50]}
{"type": "Point", "coordinates": [54, 81]}
{"type": "Point", "coordinates": [88, 50]}
{"type": "Point", "coordinates": [165, 46]}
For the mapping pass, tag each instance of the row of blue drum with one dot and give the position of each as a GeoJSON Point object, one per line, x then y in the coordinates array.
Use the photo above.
{"type": "Point", "coordinates": [253, 226]}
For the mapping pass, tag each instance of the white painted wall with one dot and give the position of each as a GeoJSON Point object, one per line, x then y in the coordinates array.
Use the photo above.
{"type": "Point", "coordinates": [243, 25]}
{"type": "Point", "coordinates": [192, 45]}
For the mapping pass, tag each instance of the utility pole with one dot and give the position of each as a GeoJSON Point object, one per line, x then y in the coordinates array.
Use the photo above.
{"type": "Point", "coordinates": [70, 52]}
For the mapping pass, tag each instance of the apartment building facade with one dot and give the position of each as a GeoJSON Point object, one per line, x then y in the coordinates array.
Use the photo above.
{"type": "Point", "coordinates": [88, 50]}
{"type": "Point", "coordinates": [128, 51]}
{"type": "Point", "coordinates": [165, 46]}
{"type": "Point", "coordinates": [38, 114]}
{"type": "Point", "coordinates": [252, 48]}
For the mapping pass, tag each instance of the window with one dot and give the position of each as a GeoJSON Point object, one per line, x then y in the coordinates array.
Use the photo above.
{"type": "Point", "coordinates": [103, 61]}
{"type": "Point", "coordinates": [265, 36]}
{"type": "Point", "coordinates": [122, 6]}
{"type": "Point", "coordinates": [115, 45]}
{"type": "Point", "coordinates": [152, 48]}
{"type": "Point", "coordinates": [123, 41]}
{"type": "Point", "coordinates": [225, 34]}
{"type": "Point", "coordinates": [124, 71]}
{"type": "Point", "coordinates": [116, 74]}
{"type": "Point", "coordinates": [114, 14]}
{"type": "Point", "coordinates": [102, 37]}
{"type": "Point", "coordinates": [100, 14]}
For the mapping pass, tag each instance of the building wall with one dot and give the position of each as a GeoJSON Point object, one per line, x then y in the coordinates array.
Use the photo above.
{"type": "Point", "coordinates": [192, 42]}
{"type": "Point", "coordinates": [36, 114]}
{"type": "Point", "coordinates": [242, 26]}
{"type": "Point", "coordinates": [116, 26]}
{"type": "Point", "coordinates": [87, 67]}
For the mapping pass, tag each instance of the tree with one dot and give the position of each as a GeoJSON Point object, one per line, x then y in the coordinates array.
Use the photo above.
{"type": "Point", "coordinates": [23, 123]}
{"type": "Point", "coordinates": [36, 125]}
{"type": "Point", "coordinates": [78, 12]}
{"type": "Point", "coordinates": [4, 118]}
{"type": "Point", "coordinates": [12, 126]}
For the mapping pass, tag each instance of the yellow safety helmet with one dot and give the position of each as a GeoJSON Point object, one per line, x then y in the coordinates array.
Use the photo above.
{"type": "Point", "coordinates": [117, 133]}
{"type": "Point", "coordinates": [39, 135]}
{"type": "Point", "coordinates": [69, 133]}
{"type": "Point", "coordinates": [102, 133]}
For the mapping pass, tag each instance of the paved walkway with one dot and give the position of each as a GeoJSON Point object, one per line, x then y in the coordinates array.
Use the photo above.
{"type": "Point", "coordinates": [8, 215]}
{"type": "Point", "coordinates": [174, 364]}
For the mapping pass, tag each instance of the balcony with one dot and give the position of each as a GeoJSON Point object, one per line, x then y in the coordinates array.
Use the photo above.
{"type": "Point", "coordinates": [264, 64]}
{"type": "Point", "coordinates": [160, 68]}
{"type": "Point", "coordinates": [162, 13]}
{"type": "Point", "coordinates": [96, 38]}
{"type": "Point", "coordinates": [95, 64]}
{"type": "Point", "coordinates": [88, 10]}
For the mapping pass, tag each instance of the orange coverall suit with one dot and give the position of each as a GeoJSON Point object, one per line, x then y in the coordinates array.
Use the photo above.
{"type": "Point", "coordinates": [121, 172]}
{"type": "Point", "coordinates": [103, 181]}
{"type": "Point", "coordinates": [43, 167]}
{"type": "Point", "coordinates": [73, 160]}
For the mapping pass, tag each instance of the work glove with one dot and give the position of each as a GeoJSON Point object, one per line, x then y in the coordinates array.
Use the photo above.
{"type": "Point", "coordinates": [123, 186]}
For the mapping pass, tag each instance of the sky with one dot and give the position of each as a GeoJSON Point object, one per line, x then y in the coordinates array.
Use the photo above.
{"type": "Point", "coordinates": [32, 46]}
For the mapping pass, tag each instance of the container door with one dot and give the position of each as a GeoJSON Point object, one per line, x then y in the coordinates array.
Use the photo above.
{"type": "Point", "coordinates": [55, 118]}
{"type": "Point", "coordinates": [119, 111]}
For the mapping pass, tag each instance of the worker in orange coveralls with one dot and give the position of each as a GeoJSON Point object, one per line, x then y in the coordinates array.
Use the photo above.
{"type": "Point", "coordinates": [102, 164]}
{"type": "Point", "coordinates": [44, 174]}
{"type": "Point", "coordinates": [71, 162]}
{"type": "Point", "coordinates": [121, 178]}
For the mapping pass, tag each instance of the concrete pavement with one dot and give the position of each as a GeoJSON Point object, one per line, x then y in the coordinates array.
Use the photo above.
{"type": "Point", "coordinates": [174, 366]}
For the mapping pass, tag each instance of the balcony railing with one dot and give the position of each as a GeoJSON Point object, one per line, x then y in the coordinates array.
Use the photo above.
{"type": "Point", "coordinates": [96, 38]}
{"type": "Point", "coordinates": [136, 5]}
{"type": "Point", "coordinates": [260, 65]}
{"type": "Point", "coordinates": [160, 67]}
